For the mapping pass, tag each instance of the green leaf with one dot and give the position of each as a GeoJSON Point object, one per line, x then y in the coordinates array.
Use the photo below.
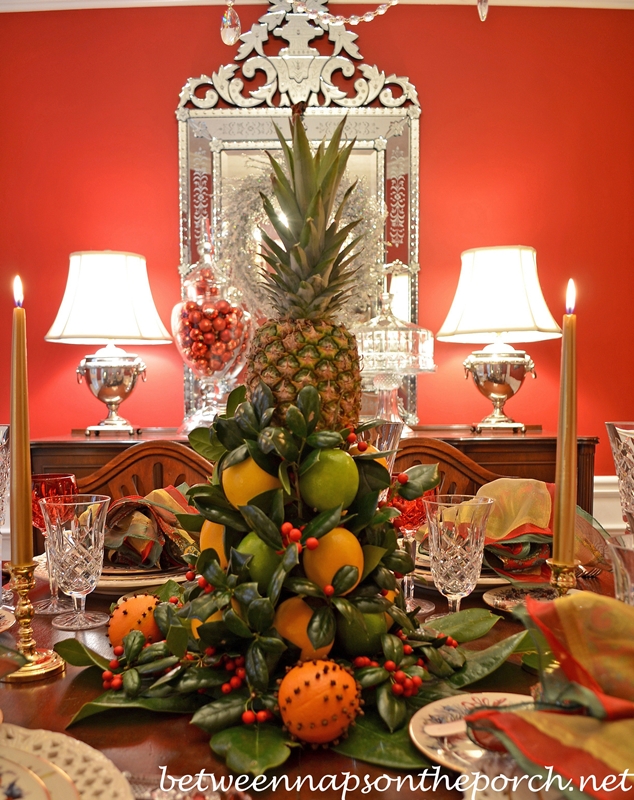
{"type": "Point", "coordinates": [264, 460]}
{"type": "Point", "coordinates": [311, 459]}
{"type": "Point", "coordinates": [466, 625]}
{"type": "Point", "coordinates": [309, 404]}
{"type": "Point", "coordinates": [345, 578]}
{"type": "Point", "coordinates": [236, 625]}
{"type": "Point", "coordinates": [211, 511]}
{"type": "Point", "coordinates": [246, 593]}
{"type": "Point", "coordinates": [322, 627]}
{"type": "Point", "coordinates": [204, 442]}
{"type": "Point", "coordinates": [369, 741]}
{"type": "Point", "coordinates": [392, 648]}
{"type": "Point", "coordinates": [392, 709]}
{"type": "Point", "coordinates": [323, 523]}
{"type": "Point", "coordinates": [371, 676]}
{"type": "Point", "coordinates": [422, 478]}
{"type": "Point", "coordinates": [174, 704]}
{"type": "Point", "coordinates": [262, 399]}
{"type": "Point", "coordinates": [481, 663]}
{"type": "Point", "coordinates": [280, 441]}
{"type": "Point", "coordinates": [399, 561]}
{"type": "Point", "coordinates": [252, 748]}
{"type": "Point", "coordinates": [176, 638]}
{"type": "Point", "coordinates": [282, 474]}
{"type": "Point", "coordinates": [260, 614]}
{"type": "Point", "coordinates": [192, 523]}
{"type": "Point", "coordinates": [372, 555]}
{"type": "Point", "coordinates": [349, 612]}
{"type": "Point", "coordinates": [265, 528]}
{"type": "Point", "coordinates": [220, 714]}
{"type": "Point", "coordinates": [255, 665]}
{"type": "Point", "coordinates": [364, 508]}
{"type": "Point", "coordinates": [196, 678]}
{"type": "Point", "coordinates": [153, 652]}
{"type": "Point", "coordinates": [295, 422]}
{"type": "Point", "coordinates": [229, 433]}
{"type": "Point", "coordinates": [168, 589]}
{"type": "Point", "coordinates": [324, 440]}
{"type": "Point", "coordinates": [10, 661]}
{"type": "Point", "coordinates": [373, 477]}
{"type": "Point", "coordinates": [303, 586]}
{"type": "Point", "coordinates": [271, 644]}
{"type": "Point", "coordinates": [132, 645]}
{"type": "Point", "coordinates": [237, 396]}
{"type": "Point", "coordinates": [77, 654]}
{"type": "Point", "coordinates": [247, 421]}
{"type": "Point", "coordinates": [131, 682]}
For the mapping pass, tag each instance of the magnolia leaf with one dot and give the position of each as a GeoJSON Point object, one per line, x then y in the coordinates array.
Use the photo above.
{"type": "Point", "coordinates": [252, 748]}
{"type": "Point", "coordinates": [369, 741]}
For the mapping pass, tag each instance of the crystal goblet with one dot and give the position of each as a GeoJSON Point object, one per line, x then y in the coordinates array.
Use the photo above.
{"type": "Point", "coordinates": [76, 525]}
{"type": "Point", "coordinates": [457, 526]}
{"type": "Point", "coordinates": [50, 485]}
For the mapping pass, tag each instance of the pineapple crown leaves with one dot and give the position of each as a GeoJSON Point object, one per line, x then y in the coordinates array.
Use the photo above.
{"type": "Point", "coordinates": [312, 267]}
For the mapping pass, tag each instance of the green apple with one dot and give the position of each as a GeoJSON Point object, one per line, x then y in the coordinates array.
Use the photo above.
{"type": "Point", "coordinates": [264, 562]}
{"type": "Point", "coordinates": [332, 481]}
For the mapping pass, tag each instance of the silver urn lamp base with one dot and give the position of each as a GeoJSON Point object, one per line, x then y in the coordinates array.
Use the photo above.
{"type": "Point", "coordinates": [111, 375]}
{"type": "Point", "coordinates": [499, 373]}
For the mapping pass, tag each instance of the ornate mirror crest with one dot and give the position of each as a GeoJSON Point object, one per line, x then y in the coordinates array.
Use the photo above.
{"type": "Point", "coordinates": [226, 123]}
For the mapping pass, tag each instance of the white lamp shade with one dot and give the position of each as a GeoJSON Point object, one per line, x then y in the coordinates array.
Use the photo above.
{"type": "Point", "coordinates": [107, 298]}
{"type": "Point", "coordinates": [498, 298]}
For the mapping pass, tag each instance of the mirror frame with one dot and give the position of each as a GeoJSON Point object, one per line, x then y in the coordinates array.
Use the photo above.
{"type": "Point", "coordinates": [233, 111]}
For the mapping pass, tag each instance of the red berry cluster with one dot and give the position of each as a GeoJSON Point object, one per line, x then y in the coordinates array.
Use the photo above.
{"type": "Point", "coordinates": [364, 661]}
{"type": "Point", "coordinates": [403, 684]}
{"type": "Point", "coordinates": [235, 665]}
{"type": "Point", "coordinates": [292, 534]}
{"type": "Point", "coordinates": [109, 678]}
{"type": "Point", "coordinates": [249, 716]}
{"type": "Point", "coordinates": [210, 332]}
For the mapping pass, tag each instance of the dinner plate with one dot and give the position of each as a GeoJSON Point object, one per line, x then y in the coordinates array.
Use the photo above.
{"type": "Point", "coordinates": [6, 620]}
{"type": "Point", "coordinates": [58, 784]}
{"type": "Point", "coordinates": [19, 781]}
{"type": "Point", "coordinates": [506, 598]}
{"type": "Point", "coordinates": [424, 581]}
{"type": "Point", "coordinates": [93, 775]}
{"type": "Point", "coordinates": [116, 581]}
{"type": "Point", "coordinates": [456, 752]}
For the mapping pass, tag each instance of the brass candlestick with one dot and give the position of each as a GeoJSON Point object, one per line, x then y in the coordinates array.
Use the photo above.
{"type": "Point", "coordinates": [40, 663]}
{"type": "Point", "coordinates": [563, 577]}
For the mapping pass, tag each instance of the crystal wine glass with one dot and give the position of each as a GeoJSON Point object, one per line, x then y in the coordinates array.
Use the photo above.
{"type": "Point", "coordinates": [76, 527]}
{"type": "Point", "coordinates": [411, 519]}
{"type": "Point", "coordinates": [457, 525]}
{"type": "Point", "coordinates": [50, 485]}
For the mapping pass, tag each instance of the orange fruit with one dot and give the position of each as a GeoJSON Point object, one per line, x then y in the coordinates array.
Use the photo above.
{"type": "Point", "coordinates": [291, 621]}
{"type": "Point", "coordinates": [196, 623]}
{"type": "Point", "coordinates": [391, 596]}
{"type": "Point", "coordinates": [318, 701]}
{"type": "Point", "coordinates": [212, 535]}
{"type": "Point", "coordinates": [354, 451]}
{"type": "Point", "coordinates": [134, 614]}
{"type": "Point", "coordinates": [241, 482]}
{"type": "Point", "coordinates": [338, 548]}
{"type": "Point", "coordinates": [332, 481]}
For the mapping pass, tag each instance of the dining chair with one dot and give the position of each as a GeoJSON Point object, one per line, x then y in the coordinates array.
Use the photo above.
{"type": "Point", "coordinates": [459, 474]}
{"type": "Point", "coordinates": [143, 467]}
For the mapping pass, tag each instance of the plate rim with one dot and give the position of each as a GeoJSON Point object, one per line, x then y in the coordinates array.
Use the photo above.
{"type": "Point", "coordinates": [422, 712]}
{"type": "Point", "coordinates": [39, 783]}
{"type": "Point", "coordinates": [48, 765]}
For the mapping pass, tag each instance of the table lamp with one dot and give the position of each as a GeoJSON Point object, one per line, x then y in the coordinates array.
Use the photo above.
{"type": "Point", "coordinates": [498, 302]}
{"type": "Point", "coordinates": [108, 302]}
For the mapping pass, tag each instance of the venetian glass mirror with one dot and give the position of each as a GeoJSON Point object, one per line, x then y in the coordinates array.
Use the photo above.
{"type": "Point", "coordinates": [226, 122]}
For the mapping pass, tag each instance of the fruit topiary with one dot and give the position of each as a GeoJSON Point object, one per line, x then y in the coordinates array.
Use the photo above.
{"type": "Point", "coordinates": [318, 701]}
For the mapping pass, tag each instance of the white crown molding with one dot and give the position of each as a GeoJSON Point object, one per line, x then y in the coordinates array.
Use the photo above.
{"type": "Point", "coordinates": [60, 5]}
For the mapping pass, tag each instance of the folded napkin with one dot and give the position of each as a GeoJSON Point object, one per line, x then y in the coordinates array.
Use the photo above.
{"type": "Point", "coordinates": [519, 531]}
{"type": "Point", "coordinates": [144, 531]}
{"type": "Point", "coordinates": [582, 728]}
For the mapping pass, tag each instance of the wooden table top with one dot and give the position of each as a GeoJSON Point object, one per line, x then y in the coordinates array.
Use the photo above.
{"type": "Point", "coordinates": [141, 742]}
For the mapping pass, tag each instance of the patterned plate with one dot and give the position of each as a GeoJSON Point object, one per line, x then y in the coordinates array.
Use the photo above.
{"type": "Point", "coordinates": [6, 620]}
{"type": "Point", "coordinates": [456, 752]}
{"type": "Point", "coordinates": [93, 775]}
{"type": "Point", "coordinates": [56, 781]}
{"type": "Point", "coordinates": [506, 598]}
{"type": "Point", "coordinates": [18, 781]}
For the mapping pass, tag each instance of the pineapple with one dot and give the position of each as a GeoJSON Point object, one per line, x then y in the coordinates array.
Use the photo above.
{"type": "Point", "coordinates": [312, 277]}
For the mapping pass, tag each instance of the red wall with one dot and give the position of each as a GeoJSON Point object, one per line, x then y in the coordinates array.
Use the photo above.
{"type": "Point", "coordinates": [527, 137]}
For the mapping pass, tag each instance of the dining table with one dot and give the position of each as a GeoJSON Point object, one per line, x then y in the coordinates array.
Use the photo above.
{"type": "Point", "coordinates": [150, 748]}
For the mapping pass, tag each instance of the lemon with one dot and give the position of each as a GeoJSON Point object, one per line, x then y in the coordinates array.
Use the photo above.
{"type": "Point", "coordinates": [332, 481]}
{"type": "Point", "coordinates": [212, 535]}
{"type": "Point", "coordinates": [338, 548]}
{"type": "Point", "coordinates": [244, 481]}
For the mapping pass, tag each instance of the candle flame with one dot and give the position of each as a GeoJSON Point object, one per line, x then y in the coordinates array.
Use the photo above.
{"type": "Point", "coordinates": [18, 293]}
{"type": "Point", "coordinates": [571, 297]}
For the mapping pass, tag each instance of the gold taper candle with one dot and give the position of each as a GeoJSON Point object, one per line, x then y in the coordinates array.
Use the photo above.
{"type": "Point", "coordinates": [566, 469]}
{"type": "Point", "coordinates": [21, 513]}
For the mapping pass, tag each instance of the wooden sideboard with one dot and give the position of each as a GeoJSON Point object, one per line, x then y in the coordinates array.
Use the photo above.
{"type": "Point", "coordinates": [523, 455]}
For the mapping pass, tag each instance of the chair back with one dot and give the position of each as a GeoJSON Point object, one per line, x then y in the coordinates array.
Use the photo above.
{"type": "Point", "coordinates": [459, 474]}
{"type": "Point", "coordinates": [147, 466]}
